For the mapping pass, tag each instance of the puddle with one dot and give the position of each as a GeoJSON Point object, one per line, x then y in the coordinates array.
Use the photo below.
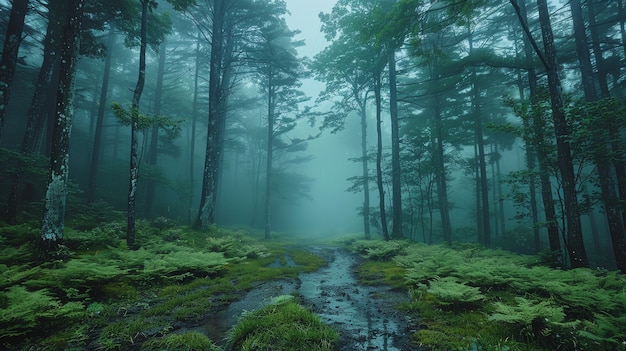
{"type": "Point", "coordinates": [365, 316]}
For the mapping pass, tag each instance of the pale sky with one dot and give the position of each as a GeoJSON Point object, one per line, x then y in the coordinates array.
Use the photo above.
{"type": "Point", "coordinates": [304, 17]}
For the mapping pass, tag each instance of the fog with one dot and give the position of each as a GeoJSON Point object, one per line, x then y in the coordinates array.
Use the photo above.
{"type": "Point", "coordinates": [234, 106]}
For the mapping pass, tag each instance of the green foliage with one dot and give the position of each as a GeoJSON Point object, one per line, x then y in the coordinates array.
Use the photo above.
{"type": "Point", "coordinates": [189, 341]}
{"type": "Point", "coordinates": [549, 308]}
{"type": "Point", "coordinates": [282, 325]}
{"type": "Point", "coordinates": [172, 128]}
{"type": "Point", "coordinates": [527, 314]}
{"type": "Point", "coordinates": [377, 250]}
{"type": "Point", "coordinates": [23, 311]}
{"type": "Point", "coordinates": [450, 292]}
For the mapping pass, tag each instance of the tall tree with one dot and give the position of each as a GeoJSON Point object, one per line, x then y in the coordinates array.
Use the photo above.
{"type": "Point", "coordinates": [279, 70]}
{"type": "Point", "coordinates": [8, 61]}
{"type": "Point", "coordinates": [97, 140]}
{"type": "Point", "coordinates": [575, 244]}
{"type": "Point", "coordinates": [208, 197]}
{"type": "Point", "coordinates": [54, 210]}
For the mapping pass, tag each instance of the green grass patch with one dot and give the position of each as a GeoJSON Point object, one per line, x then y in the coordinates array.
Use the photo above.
{"type": "Point", "coordinates": [283, 325]}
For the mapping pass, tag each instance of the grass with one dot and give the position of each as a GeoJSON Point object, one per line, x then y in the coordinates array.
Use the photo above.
{"type": "Point", "coordinates": [283, 325]}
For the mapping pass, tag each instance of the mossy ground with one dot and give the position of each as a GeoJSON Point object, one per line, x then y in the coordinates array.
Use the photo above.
{"type": "Point", "coordinates": [97, 294]}
{"type": "Point", "coordinates": [469, 298]}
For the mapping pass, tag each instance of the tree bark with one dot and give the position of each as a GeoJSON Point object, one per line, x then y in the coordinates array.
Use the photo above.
{"type": "Point", "coordinates": [379, 156]}
{"type": "Point", "coordinates": [56, 193]}
{"type": "Point", "coordinates": [575, 244]}
{"type": "Point", "coordinates": [43, 98]}
{"type": "Point", "coordinates": [365, 172]}
{"type": "Point", "coordinates": [270, 149]}
{"type": "Point", "coordinates": [8, 61]}
{"type": "Point", "coordinates": [208, 199]}
{"type": "Point", "coordinates": [396, 190]}
{"type": "Point", "coordinates": [134, 139]}
{"type": "Point", "coordinates": [600, 151]}
{"type": "Point", "coordinates": [440, 170]}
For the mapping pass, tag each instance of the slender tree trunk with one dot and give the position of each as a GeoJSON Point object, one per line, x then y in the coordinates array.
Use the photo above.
{"type": "Point", "coordinates": [206, 213]}
{"type": "Point", "coordinates": [379, 157]}
{"type": "Point", "coordinates": [270, 149]}
{"type": "Point", "coordinates": [575, 244]}
{"type": "Point", "coordinates": [440, 170]}
{"type": "Point", "coordinates": [56, 193]}
{"type": "Point", "coordinates": [97, 140]}
{"type": "Point", "coordinates": [8, 61]}
{"type": "Point", "coordinates": [482, 163]}
{"type": "Point", "coordinates": [194, 119]}
{"type": "Point", "coordinates": [134, 139]}
{"type": "Point", "coordinates": [153, 152]}
{"type": "Point", "coordinates": [396, 189]}
{"type": "Point", "coordinates": [480, 223]}
{"type": "Point", "coordinates": [365, 171]}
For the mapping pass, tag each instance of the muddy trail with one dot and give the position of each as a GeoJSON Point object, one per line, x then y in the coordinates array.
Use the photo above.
{"type": "Point", "coordinates": [365, 316]}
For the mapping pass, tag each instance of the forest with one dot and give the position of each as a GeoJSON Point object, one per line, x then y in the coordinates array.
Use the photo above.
{"type": "Point", "coordinates": [161, 160]}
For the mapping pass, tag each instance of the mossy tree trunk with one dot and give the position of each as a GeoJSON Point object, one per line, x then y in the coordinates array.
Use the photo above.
{"type": "Point", "coordinates": [134, 125]}
{"type": "Point", "coordinates": [56, 193]}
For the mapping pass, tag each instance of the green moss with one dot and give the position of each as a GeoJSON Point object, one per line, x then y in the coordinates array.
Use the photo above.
{"type": "Point", "coordinates": [376, 272]}
{"type": "Point", "coordinates": [283, 325]}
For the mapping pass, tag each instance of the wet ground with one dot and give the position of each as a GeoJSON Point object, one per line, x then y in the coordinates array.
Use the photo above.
{"type": "Point", "coordinates": [365, 316]}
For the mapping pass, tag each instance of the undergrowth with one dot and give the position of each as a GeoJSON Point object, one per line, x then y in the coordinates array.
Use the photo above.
{"type": "Point", "coordinates": [282, 325]}
{"type": "Point", "coordinates": [469, 298]}
{"type": "Point", "coordinates": [102, 295]}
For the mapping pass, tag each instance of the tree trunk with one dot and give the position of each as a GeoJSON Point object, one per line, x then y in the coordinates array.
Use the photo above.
{"type": "Point", "coordinates": [206, 213]}
{"type": "Point", "coordinates": [379, 156]}
{"type": "Point", "coordinates": [396, 190]}
{"type": "Point", "coordinates": [154, 138]}
{"type": "Point", "coordinates": [38, 111]}
{"type": "Point", "coordinates": [134, 139]}
{"type": "Point", "coordinates": [194, 119]}
{"type": "Point", "coordinates": [607, 186]}
{"type": "Point", "coordinates": [575, 244]}
{"type": "Point", "coordinates": [365, 170]}
{"type": "Point", "coordinates": [56, 193]}
{"type": "Point", "coordinates": [270, 150]}
{"type": "Point", "coordinates": [8, 61]}
{"type": "Point", "coordinates": [482, 163]}
{"type": "Point", "coordinates": [440, 170]}
{"type": "Point", "coordinates": [97, 140]}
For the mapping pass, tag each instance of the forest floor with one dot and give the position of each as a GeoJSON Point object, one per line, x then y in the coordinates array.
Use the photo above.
{"type": "Point", "coordinates": [366, 315]}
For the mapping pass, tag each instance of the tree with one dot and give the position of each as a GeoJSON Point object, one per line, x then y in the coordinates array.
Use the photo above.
{"type": "Point", "coordinates": [8, 61]}
{"type": "Point", "coordinates": [54, 210]}
{"type": "Point", "coordinates": [279, 70]}
{"type": "Point", "coordinates": [575, 244]}
{"type": "Point", "coordinates": [345, 67]}
{"type": "Point", "coordinates": [208, 197]}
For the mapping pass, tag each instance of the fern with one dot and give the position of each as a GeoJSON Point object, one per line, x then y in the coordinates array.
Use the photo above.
{"type": "Point", "coordinates": [450, 292]}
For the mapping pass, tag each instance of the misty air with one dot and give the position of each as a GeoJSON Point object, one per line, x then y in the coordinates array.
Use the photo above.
{"type": "Point", "coordinates": [313, 175]}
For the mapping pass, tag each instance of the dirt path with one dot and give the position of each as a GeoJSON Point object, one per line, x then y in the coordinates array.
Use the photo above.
{"type": "Point", "coordinates": [365, 316]}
